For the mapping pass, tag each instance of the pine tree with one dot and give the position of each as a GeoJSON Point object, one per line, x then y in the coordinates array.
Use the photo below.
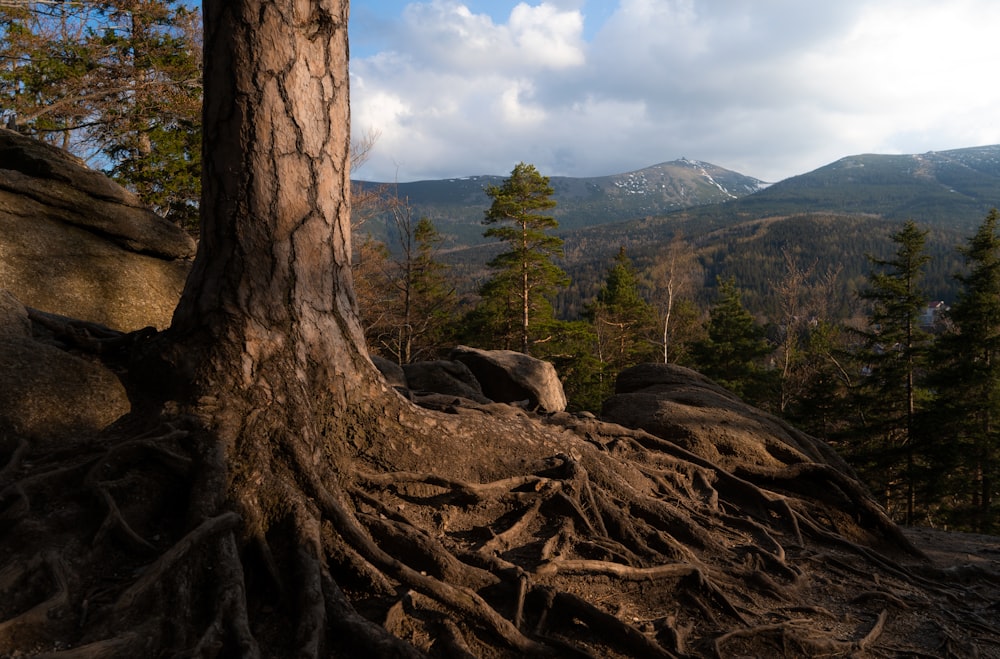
{"type": "Point", "coordinates": [431, 299]}
{"type": "Point", "coordinates": [117, 83]}
{"type": "Point", "coordinates": [968, 380]}
{"type": "Point", "coordinates": [734, 348]}
{"type": "Point", "coordinates": [895, 351]}
{"type": "Point", "coordinates": [516, 298]}
{"type": "Point", "coordinates": [625, 323]}
{"type": "Point", "coordinates": [572, 350]}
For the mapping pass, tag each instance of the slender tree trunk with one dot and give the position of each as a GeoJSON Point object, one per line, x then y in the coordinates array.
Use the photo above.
{"type": "Point", "coordinates": [666, 322]}
{"type": "Point", "coordinates": [911, 411]}
{"type": "Point", "coordinates": [525, 290]}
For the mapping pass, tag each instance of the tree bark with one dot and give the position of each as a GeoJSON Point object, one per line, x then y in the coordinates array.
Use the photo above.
{"type": "Point", "coordinates": [271, 288]}
{"type": "Point", "coordinates": [266, 339]}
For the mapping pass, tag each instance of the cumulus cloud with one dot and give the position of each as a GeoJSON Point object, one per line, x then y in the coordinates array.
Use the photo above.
{"type": "Point", "coordinates": [770, 88]}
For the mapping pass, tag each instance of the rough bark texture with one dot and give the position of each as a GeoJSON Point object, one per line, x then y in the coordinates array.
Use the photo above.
{"type": "Point", "coordinates": [272, 497]}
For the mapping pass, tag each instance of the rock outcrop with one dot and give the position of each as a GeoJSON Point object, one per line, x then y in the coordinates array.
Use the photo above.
{"type": "Point", "coordinates": [75, 243]}
{"type": "Point", "coordinates": [47, 393]}
{"type": "Point", "coordinates": [443, 376]}
{"type": "Point", "coordinates": [14, 321]}
{"type": "Point", "coordinates": [391, 371]}
{"type": "Point", "coordinates": [694, 412]}
{"type": "Point", "coordinates": [479, 377]}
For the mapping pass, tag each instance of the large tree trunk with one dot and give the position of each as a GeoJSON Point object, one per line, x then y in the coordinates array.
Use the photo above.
{"type": "Point", "coordinates": [270, 302]}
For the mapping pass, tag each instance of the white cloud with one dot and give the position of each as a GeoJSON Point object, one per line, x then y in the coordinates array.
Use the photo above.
{"type": "Point", "coordinates": [546, 36]}
{"type": "Point", "coordinates": [770, 88]}
{"type": "Point", "coordinates": [517, 111]}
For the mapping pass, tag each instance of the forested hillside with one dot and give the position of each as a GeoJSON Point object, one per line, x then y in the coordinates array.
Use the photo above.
{"type": "Point", "coordinates": [949, 189]}
{"type": "Point", "coordinates": [752, 253]}
{"type": "Point", "coordinates": [456, 206]}
{"type": "Point", "coordinates": [834, 215]}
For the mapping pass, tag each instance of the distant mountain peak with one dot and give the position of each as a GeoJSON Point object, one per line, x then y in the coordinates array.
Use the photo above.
{"type": "Point", "coordinates": [456, 204]}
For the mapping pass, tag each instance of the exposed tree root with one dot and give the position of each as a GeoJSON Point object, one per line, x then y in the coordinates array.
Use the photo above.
{"type": "Point", "coordinates": [153, 575]}
{"type": "Point", "coordinates": [14, 462]}
{"type": "Point", "coordinates": [38, 616]}
{"type": "Point", "coordinates": [626, 549]}
{"type": "Point", "coordinates": [796, 637]}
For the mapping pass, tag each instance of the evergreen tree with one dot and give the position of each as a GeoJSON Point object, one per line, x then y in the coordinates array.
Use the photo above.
{"type": "Point", "coordinates": [431, 298]}
{"type": "Point", "coordinates": [117, 83]}
{"type": "Point", "coordinates": [968, 380]}
{"type": "Point", "coordinates": [895, 350]}
{"type": "Point", "coordinates": [572, 350]}
{"type": "Point", "coordinates": [828, 370]}
{"type": "Point", "coordinates": [624, 322]}
{"type": "Point", "coordinates": [517, 296]}
{"type": "Point", "coordinates": [733, 351]}
{"type": "Point", "coordinates": [494, 321]}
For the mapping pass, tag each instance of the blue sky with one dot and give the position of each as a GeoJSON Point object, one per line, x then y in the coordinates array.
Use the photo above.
{"type": "Point", "coordinates": [769, 88]}
{"type": "Point", "coordinates": [372, 22]}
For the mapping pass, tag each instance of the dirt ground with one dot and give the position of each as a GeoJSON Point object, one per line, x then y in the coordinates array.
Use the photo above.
{"type": "Point", "coordinates": [951, 550]}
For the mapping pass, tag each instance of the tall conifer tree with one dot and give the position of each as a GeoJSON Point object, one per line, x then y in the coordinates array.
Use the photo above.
{"type": "Point", "coordinates": [895, 351]}
{"type": "Point", "coordinates": [526, 273]}
{"type": "Point", "coordinates": [625, 323]}
{"type": "Point", "coordinates": [118, 83]}
{"type": "Point", "coordinates": [969, 382]}
{"type": "Point", "coordinates": [734, 348]}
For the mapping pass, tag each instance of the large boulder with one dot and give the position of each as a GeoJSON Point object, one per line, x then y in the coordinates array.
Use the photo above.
{"type": "Point", "coordinates": [46, 392]}
{"type": "Point", "coordinates": [692, 411]}
{"type": "Point", "coordinates": [443, 376]}
{"type": "Point", "coordinates": [391, 371]}
{"type": "Point", "coordinates": [75, 243]}
{"type": "Point", "coordinates": [513, 377]}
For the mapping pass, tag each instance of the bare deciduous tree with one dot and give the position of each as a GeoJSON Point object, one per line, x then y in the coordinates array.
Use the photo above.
{"type": "Point", "coordinates": [675, 273]}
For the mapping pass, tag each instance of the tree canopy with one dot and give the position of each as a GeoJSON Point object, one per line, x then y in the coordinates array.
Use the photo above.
{"type": "Point", "coordinates": [895, 351]}
{"type": "Point", "coordinates": [118, 84]}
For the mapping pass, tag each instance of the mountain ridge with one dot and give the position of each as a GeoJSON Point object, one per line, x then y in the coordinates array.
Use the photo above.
{"type": "Point", "coordinates": [953, 188]}
{"type": "Point", "coordinates": [456, 205]}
